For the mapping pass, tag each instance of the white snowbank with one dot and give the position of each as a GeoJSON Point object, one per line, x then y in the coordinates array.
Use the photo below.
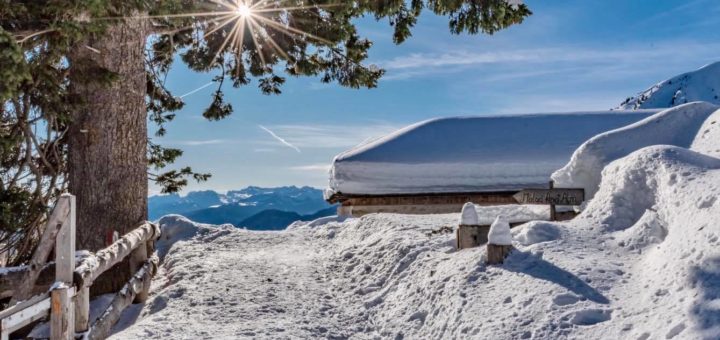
{"type": "Point", "coordinates": [318, 222]}
{"type": "Point", "coordinates": [177, 228]}
{"type": "Point", "coordinates": [699, 85]}
{"type": "Point", "coordinates": [499, 233]}
{"type": "Point", "coordinates": [458, 154]}
{"type": "Point", "coordinates": [536, 232]}
{"type": "Point", "coordinates": [676, 126]}
{"type": "Point", "coordinates": [706, 141]}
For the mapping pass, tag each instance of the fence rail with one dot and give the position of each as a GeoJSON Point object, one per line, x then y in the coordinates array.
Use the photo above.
{"type": "Point", "coordinates": [67, 301]}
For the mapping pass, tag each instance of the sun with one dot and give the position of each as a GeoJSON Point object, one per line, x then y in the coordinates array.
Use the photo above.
{"type": "Point", "coordinates": [243, 10]}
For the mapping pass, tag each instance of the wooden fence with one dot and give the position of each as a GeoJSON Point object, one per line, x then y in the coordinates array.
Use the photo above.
{"type": "Point", "coordinates": [67, 301]}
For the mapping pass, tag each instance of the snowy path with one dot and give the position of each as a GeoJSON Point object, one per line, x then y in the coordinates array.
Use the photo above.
{"type": "Point", "coordinates": [242, 284]}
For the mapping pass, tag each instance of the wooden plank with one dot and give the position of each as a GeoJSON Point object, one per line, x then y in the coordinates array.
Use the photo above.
{"type": "Point", "coordinates": [25, 313]}
{"type": "Point", "coordinates": [137, 260]}
{"type": "Point", "coordinates": [47, 242]}
{"type": "Point", "coordinates": [82, 310]}
{"type": "Point", "coordinates": [65, 247]}
{"type": "Point", "coordinates": [477, 196]}
{"type": "Point", "coordinates": [556, 196]}
{"type": "Point", "coordinates": [94, 265]}
{"type": "Point", "coordinates": [434, 199]}
{"type": "Point", "coordinates": [102, 326]}
{"type": "Point", "coordinates": [62, 323]}
{"type": "Point", "coordinates": [23, 305]}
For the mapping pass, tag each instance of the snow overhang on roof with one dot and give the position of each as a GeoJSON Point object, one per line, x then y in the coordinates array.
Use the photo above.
{"type": "Point", "coordinates": [469, 154]}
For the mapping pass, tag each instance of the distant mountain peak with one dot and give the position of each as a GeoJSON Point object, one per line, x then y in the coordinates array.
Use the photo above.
{"type": "Point", "coordinates": [700, 85]}
{"type": "Point", "coordinates": [235, 206]}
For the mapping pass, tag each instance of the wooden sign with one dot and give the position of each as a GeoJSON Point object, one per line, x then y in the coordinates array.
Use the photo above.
{"type": "Point", "coordinates": [558, 196]}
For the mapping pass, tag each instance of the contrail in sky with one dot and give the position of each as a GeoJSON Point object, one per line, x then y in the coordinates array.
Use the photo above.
{"type": "Point", "coordinates": [280, 139]}
{"type": "Point", "coordinates": [197, 89]}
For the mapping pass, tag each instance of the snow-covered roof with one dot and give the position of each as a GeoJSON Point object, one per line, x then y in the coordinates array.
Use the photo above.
{"type": "Point", "coordinates": [469, 154]}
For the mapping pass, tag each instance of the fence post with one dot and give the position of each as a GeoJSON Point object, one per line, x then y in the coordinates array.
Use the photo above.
{"type": "Point", "coordinates": [137, 260]}
{"type": "Point", "coordinates": [62, 311]}
{"type": "Point", "coordinates": [499, 241]}
{"type": "Point", "coordinates": [553, 212]}
{"type": "Point", "coordinates": [61, 314]}
{"type": "Point", "coordinates": [82, 310]}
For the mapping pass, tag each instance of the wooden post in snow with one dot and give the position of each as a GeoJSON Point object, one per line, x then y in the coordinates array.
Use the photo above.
{"type": "Point", "coordinates": [62, 310]}
{"type": "Point", "coordinates": [553, 213]}
{"type": "Point", "coordinates": [61, 314]}
{"type": "Point", "coordinates": [137, 261]}
{"type": "Point", "coordinates": [499, 241]}
{"type": "Point", "coordinates": [470, 233]}
{"type": "Point", "coordinates": [82, 310]}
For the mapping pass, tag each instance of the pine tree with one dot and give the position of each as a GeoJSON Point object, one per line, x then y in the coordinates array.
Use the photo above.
{"type": "Point", "coordinates": [80, 79]}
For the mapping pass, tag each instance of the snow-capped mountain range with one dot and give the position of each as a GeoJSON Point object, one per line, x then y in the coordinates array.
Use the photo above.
{"type": "Point", "coordinates": [252, 207]}
{"type": "Point", "coordinates": [699, 85]}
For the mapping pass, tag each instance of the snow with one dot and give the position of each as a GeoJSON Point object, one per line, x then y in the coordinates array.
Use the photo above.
{"type": "Point", "coordinates": [537, 232]}
{"type": "Point", "coordinates": [676, 126]}
{"type": "Point", "coordinates": [708, 135]}
{"type": "Point", "coordinates": [458, 154]}
{"type": "Point", "coordinates": [499, 233]}
{"type": "Point", "coordinates": [610, 273]}
{"type": "Point", "coordinates": [468, 215]}
{"type": "Point", "coordinates": [641, 261]}
{"type": "Point", "coordinates": [700, 85]}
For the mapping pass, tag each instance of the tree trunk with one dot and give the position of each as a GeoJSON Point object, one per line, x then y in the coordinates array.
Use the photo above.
{"type": "Point", "coordinates": [107, 161]}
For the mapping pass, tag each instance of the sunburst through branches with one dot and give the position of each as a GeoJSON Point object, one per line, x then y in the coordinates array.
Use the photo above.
{"type": "Point", "coordinates": [260, 20]}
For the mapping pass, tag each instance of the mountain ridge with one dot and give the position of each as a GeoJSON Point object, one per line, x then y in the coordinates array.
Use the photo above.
{"type": "Point", "coordinates": [236, 206]}
{"type": "Point", "coordinates": [702, 84]}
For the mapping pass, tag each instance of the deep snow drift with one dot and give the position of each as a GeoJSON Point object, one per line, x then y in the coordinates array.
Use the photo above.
{"type": "Point", "coordinates": [679, 126]}
{"type": "Point", "coordinates": [699, 85]}
{"type": "Point", "coordinates": [470, 153]}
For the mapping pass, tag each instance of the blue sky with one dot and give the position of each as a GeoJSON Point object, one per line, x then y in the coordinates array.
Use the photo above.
{"type": "Point", "coordinates": [569, 56]}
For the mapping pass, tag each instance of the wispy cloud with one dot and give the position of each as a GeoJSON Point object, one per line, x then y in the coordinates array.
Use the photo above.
{"type": "Point", "coordinates": [197, 142]}
{"type": "Point", "coordinates": [546, 59]}
{"type": "Point", "coordinates": [280, 139]}
{"type": "Point", "coordinates": [320, 167]}
{"type": "Point", "coordinates": [332, 136]}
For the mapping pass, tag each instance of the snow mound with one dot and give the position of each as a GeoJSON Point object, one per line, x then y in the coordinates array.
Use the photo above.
{"type": "Point", "coordinates": [177, 228]}
{"type": "Point", "coordinates": [317, 222]}
{"type": "Point", "coordinates": [700, 85]}
{"type": "Point", "coordinates": [468, 215]}
{"type": "Point", "coordinates": [676, 126]}
{"type": "Point", "coordinates": [647, 179]}
{"type": "Point", "coordinates": [536, 232]}
{"type": "Point", "coordinates": [499, 233]}
{"type": "Point", "coordinates": [457, 154]}
{"type": "Point", "coordinates": [648, 230]}
{"type": "Point", "coordinates": [708, 136]}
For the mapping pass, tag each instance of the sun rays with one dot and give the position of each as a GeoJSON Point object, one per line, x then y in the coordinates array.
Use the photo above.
{"type": "Point", "coordinates": [235, 20]}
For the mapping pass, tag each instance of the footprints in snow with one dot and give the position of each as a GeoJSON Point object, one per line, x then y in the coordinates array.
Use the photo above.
{"type": "Point", "coordinates": [565, 299]}
{"type": "Point", "coordinates": [588, 317]}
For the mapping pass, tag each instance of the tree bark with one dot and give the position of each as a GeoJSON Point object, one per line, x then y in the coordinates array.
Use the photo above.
{"type": "Point", "coordinates": [107, 139]}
